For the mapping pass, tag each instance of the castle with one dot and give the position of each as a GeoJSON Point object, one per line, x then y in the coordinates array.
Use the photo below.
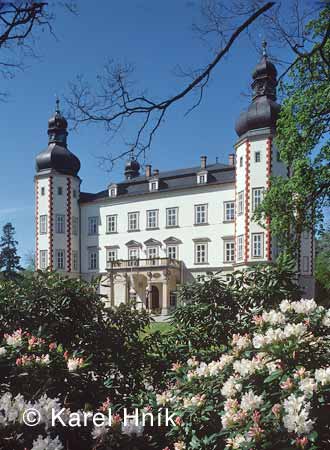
{"type": "Point", "coordinates": [149, 233]}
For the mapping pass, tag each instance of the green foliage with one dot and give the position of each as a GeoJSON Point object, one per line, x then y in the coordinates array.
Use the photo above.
{"type": "Point", "coordinates": [322, 267]}
{"type": "Point", "coordinates": [297, 203]}
{"type": "Point", "coordinates": [9, 260]}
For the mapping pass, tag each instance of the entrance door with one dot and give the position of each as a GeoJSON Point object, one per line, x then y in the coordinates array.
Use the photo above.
{"type": "Point", "coordinates": [154, 298]}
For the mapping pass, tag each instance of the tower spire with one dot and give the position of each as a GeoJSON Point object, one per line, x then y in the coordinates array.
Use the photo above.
{"type": "Point", "coordinates": [264, 48]}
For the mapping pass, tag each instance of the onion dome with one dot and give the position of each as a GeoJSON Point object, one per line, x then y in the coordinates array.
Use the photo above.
{"type": "Point", "coordinates": [132, 168]}
{"type": "Point", "coordinates": [57, 156]}
{"type": "Point", "coordinates": [263, 110]}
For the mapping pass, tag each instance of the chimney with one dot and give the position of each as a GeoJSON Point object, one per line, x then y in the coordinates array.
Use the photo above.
{"type": "Point", "coordinates": [156, 172]}
{"type": "Point", "coordinates": [231, 159]}
{"type": "Point", "coordinates": [148, 170]}
{"type": "Point", "coordinates": [203, 162]}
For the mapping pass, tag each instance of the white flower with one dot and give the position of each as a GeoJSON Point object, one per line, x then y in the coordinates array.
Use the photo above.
{"type": "Point", "coordinates": [131, 428]}
{"type": "Point", "coordinates": [273, 317]}
{"type": "Point", "coordinates": [304, 306]}
{"type": "Point", "coordinates": [100, 431]}
{"type": "Point", "coordinates": [74, 364]}
{"type": "Point", "coordinates": [179, 445]}
{"type": "Point", "coordinates": [3, 351]}
{"type": "Point", "coordinates": [236, 442]}
{"type": "Point", "coordinates": [326, 319]}
{"type": "Point", "coordinates": [307, 386]}
{"type": "Point", "coordinates": [322, 376]}
{"type": "Point", "coordinates": [250, 401]}
{"type": "Point", "coordinates": [47, 443]}
{"type": "Point", "coordinates": [296, 419]}
{"type": "Point", "coordinates": [285, 306]}
{"type": "Point", "coordinates": [231, 387]}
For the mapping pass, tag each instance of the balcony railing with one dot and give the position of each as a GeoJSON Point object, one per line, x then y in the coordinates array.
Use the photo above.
{"type": "Point", "coordinates": [143, 263]}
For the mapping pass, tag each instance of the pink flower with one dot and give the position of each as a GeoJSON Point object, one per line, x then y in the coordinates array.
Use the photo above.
{"type": "Point", "coordinates": [105, 405]}
{"type": "Point", "coordinates": [302, 442]}
{"type": "Point", "coordinates": [255, 432]}
{"type": "Point", "coordinates": [256, 417]}
{"type": "Point", "coordinates": [52, 346]}
{"type": "Point", "coordinates": [176, 366]}
{"type": "Point", "coordinates": [287, 385]}
{"type": "Point", "coordinates": [116, 419]}
{"type": "Point", "coordinates": [18, 361]}
{"type": "Point", "coordinates": [66, 355]}
{"type": "Point", "coordinates": [276, 409]}
{"type": "Point", "coordinates": [258, 320]}
{"type": "Point", "coordinates": [178, 420]}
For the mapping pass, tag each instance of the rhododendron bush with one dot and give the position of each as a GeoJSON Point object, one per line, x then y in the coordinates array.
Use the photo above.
{"type": "Point", "coordinates": [271, 390]}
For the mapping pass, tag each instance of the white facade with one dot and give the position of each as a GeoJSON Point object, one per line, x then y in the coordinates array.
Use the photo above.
{"type": "Point", "coordinates": [149, 233]}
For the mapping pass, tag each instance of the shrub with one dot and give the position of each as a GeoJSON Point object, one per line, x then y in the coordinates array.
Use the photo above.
{"type": "Point", "coordinates": [270, 390]}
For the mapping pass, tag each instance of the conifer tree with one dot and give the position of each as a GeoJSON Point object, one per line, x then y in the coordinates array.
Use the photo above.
{"type": "Point", "coordinates": [9, 260]}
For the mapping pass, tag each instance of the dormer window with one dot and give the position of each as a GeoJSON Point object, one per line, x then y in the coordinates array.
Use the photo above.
{"type": "Point", "coordinates": [153, 185]}
{"type": "Point", "coordinates": [202, 177]}
{"type": "Point", "coordinates": [113, 190]}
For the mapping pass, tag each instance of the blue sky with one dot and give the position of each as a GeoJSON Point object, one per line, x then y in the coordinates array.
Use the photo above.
{"type": "Point", "coordinates": [155, 36]}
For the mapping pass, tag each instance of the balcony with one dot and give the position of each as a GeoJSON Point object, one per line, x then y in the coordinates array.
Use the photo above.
{"type": "Point", "coordinates": [142, 264]}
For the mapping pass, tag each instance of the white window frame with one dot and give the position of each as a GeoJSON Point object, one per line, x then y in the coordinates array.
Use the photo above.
{"type": "Point", "coordinates": [240, 247]}
{"type": "Point", "coordinates": [111, 221]}
{"type": "Point", "coordinates": [240, 203]}
{"type": "Point", "coordinates": [257, 245]}
{"type": "Point", "coordinates": [75, 225]}
{"type": "Point", "coordinates": [42, 191]}
{"type": "Point", "coordinates": [229, 206]}
{"type": "Point", "coordinates": [60, 259]}
{"type": "Point", "coordinates": [153, 185]}
{"type": "Point", "coordinates": [241, 161]}
{"type": "Point", "coordinates": [229, 253]}
{"type": "Point", "coordinates": [133, 256]}
{"type": "Point", "coordinates": [43, 224]}
{"type": "Point", "coordinates": [43, 256]}
{"type": "Point", "coordinates": [173, 299]}
{"type": "Point", "coordinates": [75, 260]}
{"type": "Point", "coordinates": [201, 253]}
{"type": "Point", "coordinates": [93, 262]}
{"type": "Point", "coordinates": [172, 249]}
{"type": "Point", "coordinates": [152, 219]}
{"type": "Point", "coordinates": [202, 178]}
{"type": "Point", "coordinates": [257, 157]}
{"type": "Point", "coordinates": [152, 252]}
{"type": "Point", "coordinates": [93, 225]}
{"type": "Point", "coordinates": [201, 213]}
{"type": "Point", "coordinates": [257, 195]}
{"type": "Point", "coordinates": [60, 223]}
{"type": "Point", "coordinates": [112, 254]}
{"type": "Point", "coordinates": [172, 215]}
{"type": "Point", "coordinates": [133, 217]}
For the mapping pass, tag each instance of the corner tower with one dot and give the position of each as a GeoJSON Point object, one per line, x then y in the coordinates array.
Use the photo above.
{"type": "Point", "coordinates": [256, 161]}
{"type": "Point", "coordinates": [57, 189]}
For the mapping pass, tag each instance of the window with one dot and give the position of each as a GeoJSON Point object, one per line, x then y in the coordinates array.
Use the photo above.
{"type": "Point", "coordinates": [229, 251]}
{"type": "Point", "coordinates": [112, 223]}
{"type": "Point", "coordinates": [43, 259]}
{"type": "Point", "coordinates": [60, 223]}
{"type": "Point", "coordinates": [278, 156]}
{"type": "Point", "coordinates": [42, 191]}
{"type": "Point", "coordinates": [152, 252]}
{"type": "Point", "coordinates": [173, 299]}
{"type": "Point", "coordinates": [152, 218]}
{"type": "Point", "coordinates": [92, 225]}
{"type": "Point", "coordinates": [256, 197]}
{"type": "Point", "coordinates": [241, 161]}
{"type": "Point", "coordinates": [133, 221]}
{"type": "Point", "coordinates": [113, 189]}
{"type": "Point", "coordinates": [229, 210]}
{"type": "Point", "coordinates": [200, 214]}
{"type": "Point", "coordinates": [202, 178]}
{"type": "Point", "coordinates": [43, 224]}
{"type": "Point", "coordinates": [75, 260]}
{"type": "Point", "coordinates": [172, 251]}
{"type": "Point", "coordinates": [172, 217]}
{"type": "Point", "coordinates": [305, 264]}
{"type": "Point", "coordinates": [60, 259]}
{"type": "Point", "coordinates": [240, 242]}
{"type": "Point", "coordinates": [75, 226]}
{"type": "Point", "coordinates": [92, 259]}
{"type": "Point", "coordinates": [153, 185]}
{"type": "Point", "coordinates": [257, 245]}
{"type": "Point", "coordinates": [74, 193]}
{"type": "Point", "coordinates": [60, 190]}
{"type": "Point", "coordinates": [112, 254]}
{"type": "Point", "coordinates": [133, 256]}
{"type": "Point", "coordinates": [200, 253]}
{"type": "Point", "coordinates": [240, 203]}
{"type": "Point", "coordinates": [257, 157]}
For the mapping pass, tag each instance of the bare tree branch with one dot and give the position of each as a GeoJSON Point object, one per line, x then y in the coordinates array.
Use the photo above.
{"type": "Point", "coordinates": [115, 101]}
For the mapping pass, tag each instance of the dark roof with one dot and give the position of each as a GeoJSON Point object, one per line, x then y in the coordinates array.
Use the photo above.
{"type": "Point", "coordinates": [168, 181]}
{"type": "Point", "coordinates": [58, 157]}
